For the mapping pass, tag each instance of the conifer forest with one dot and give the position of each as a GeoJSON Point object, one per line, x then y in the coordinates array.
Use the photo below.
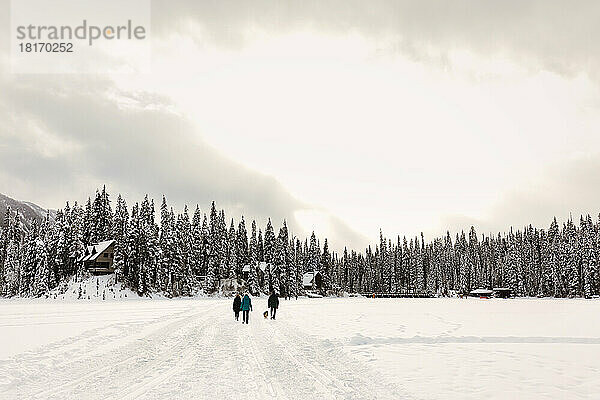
{"type": "Point", "coordinates": [181, 254]}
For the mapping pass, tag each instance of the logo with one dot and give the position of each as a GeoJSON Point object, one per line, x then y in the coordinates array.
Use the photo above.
{"type": "Point", "coordinates": [83, 36]}
{"type": "Point", "coordinates": [85, 31]}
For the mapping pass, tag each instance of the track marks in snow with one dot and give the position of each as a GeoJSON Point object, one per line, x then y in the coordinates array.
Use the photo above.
{"type": "Point", "coordinates": [91, 364]}
{"type": "Point", "coordinates": [195, 352]}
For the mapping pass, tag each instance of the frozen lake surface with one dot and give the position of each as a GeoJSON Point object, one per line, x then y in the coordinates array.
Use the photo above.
{"type": "Point", "coordinates": [317, 348]}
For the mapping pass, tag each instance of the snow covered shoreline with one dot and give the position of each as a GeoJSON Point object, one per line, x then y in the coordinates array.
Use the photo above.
{"type": "Point", "coordinates": [104, 288]}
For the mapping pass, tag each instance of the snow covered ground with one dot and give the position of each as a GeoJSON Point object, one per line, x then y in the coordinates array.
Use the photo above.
{"type": "Point", "coordinates": [318, 348]}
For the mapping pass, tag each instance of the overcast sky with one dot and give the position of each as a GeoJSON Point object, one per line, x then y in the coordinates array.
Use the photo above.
{"type": "Point", "coordinates": [340, 116]}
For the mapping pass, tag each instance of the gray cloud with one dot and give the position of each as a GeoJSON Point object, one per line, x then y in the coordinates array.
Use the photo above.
{"type": "Point", "coordinates": [554, 35]}
{"type": "Point", "coordinates": [85, 138]}
{"type": "Point", "coordinates": [563, 189]}
{"type": "Point", "coordinates": [63, 136]}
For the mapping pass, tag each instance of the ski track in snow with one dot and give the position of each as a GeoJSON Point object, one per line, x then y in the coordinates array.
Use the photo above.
{"type": "Point", "coordinates": [198, 352]}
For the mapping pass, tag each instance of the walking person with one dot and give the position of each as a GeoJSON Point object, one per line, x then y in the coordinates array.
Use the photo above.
{"type": "Point", "coordinates": [237, 304]}
{"type": "Point", "coordinates": [246, 308]}
{"type": "Point", "coordinates": [273, 303]}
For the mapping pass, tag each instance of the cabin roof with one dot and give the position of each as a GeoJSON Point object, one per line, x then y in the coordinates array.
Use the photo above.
{"type": "Point", "coordinates": [307, 278]}
{"type": "Point", "coordinates": [94, 251]}
{"type": "Point", "coordinates": [262, 265]}
{"type": "Point", "coordinates": [481, 291]}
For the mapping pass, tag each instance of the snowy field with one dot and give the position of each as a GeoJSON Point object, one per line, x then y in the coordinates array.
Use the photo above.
{"type": "Point", "coordinates": [317, 348]}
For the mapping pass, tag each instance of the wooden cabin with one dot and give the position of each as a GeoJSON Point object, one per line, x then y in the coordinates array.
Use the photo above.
{"type": "Point", "coordinates": [481, 293]}
{"type": "Point", "coordinates": [312, 277]}
{"type": "Point", "coordinates": [246, 272]}
{"type": "Point", "coordinates": [503, 293]}
{"type": "Point", "coordinates": [261, 269]}
{"type": "Point", "coordinates": [98, 258]}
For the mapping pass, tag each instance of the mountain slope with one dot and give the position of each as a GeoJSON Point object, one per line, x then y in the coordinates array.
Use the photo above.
{"type": "Point", "coordinates": [28, 211]}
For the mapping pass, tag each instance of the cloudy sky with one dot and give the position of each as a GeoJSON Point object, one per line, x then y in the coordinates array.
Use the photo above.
{"type": "Point", "coordinates": [340, 116]}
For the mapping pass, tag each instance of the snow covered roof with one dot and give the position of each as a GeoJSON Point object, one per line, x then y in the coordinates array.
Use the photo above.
{"type": "Point", "coordinates": [498, 289]}
{"type": "Point", "coordinates": [262, 265]}
{"type": "Point", "coordinates": [307, 278]}
{"type": "Point", "coordinates": [482, 291]}
{"type": "Point", "coordinates": [95, 250]}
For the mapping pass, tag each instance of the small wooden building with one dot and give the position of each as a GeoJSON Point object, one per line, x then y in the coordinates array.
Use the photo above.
{"type": "Point", "coordinates": [503, 293]}
{"type": "Point", "coordinates": [481, 293]}
{"type": "Point", "coordinates": [260, 269]}
{"type": "Point", "coordinates": [246, 272]}
{"type": "Point", "coordinates": [312, 277]}
{"type": "Point", "coordinates": [98, 258]}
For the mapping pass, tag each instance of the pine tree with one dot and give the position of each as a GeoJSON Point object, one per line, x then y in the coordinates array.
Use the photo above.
{"type": "Point", "coordinates": [383, 264]}
{"type": "Point", "coordinates": [588, 257]}
{"type": "Point", "coordinates": [232, 253]}
{"type": "Point", "coordinates": [252, 282]}
{"type": "Point", "coordinates": [291, 287]}
{"type": "Point", "coordinates": [473, 259]}
{"type": "Point", "coordinates": [222, 244]}
{"type": "Point", "coordinates": [571, 261]}
{"type": "Point", "coordinates": [42, 269]}
{"type": "Point", "coordinates": [88, 224]}
{"type": "Point", "coordinates": [260, 249]}
{"type": "Point", "coordinates": [546, 285]}
{"type": "Point", "coordinates": [461, 250]}
{"type": "Point", "coordinates": [134, 256]}
{"type": "Point", "coordinates": [269, 246]}
{"type": "Point", "coordinates": [168, 262]}
{"type": "Point", "coordinates": [213, 251]}
{"type": "Point", "coordinates": [28, 263]}
{"type": "Point", "coordinates": [298, 261]}
{"type": "Point", "coordinates": [119, 234]}
{"type": "Point", "coordinates": [184, 250]}
{"type": "Point", "coordinates": [12, 267]}
{"type": "Point", "coordinates": [197, 243]}
{"type": "Point", "coordinates": [3, 246]}
{"type": "Point", "coordinates": [326, 266]}
{"type": "Point", "coordinates": [313, 254]}
{"type": "Point", "coordinates": [242, 255]}
{"type": "Point", "coordinates": [77, 244]}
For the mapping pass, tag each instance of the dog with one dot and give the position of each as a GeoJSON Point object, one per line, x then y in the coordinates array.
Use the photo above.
{"type": "Point", "coordinates": [266, 314]}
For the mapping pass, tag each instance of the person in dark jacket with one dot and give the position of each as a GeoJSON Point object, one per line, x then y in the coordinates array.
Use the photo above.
{"type": "Point", "coordinates": [237, 304]}
{"type": "Point", "coordinates": [273, 304]}
{"type": "Point", "coordinates": [246, 308]}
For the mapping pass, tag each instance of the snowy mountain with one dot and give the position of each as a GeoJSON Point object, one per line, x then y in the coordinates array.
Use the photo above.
{"type": "Point", "coordinates": [28, 211]}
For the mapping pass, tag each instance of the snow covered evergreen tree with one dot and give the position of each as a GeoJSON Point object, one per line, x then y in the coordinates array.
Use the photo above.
{"type": "Point", "coordinates": [28, 263]}
{"type": "Point", "coordinates": [242, 255]}
{"type": "Point", "coordinates": [184, 253]}
{"type": "Point", "coordinates": [119, 234]}
{"type": "Point", "coordinates": [260, 249]}
{"type": "Point", "coordinates": [326, 266]}
{"type": "Point", "coordinates": [232, 253]}
{"type": "Point", "coordinates": [42, 269]}
{"type": "Point", "coordinates": [197, 256]}
{"type": "Point", "coordinates": [252, 282]}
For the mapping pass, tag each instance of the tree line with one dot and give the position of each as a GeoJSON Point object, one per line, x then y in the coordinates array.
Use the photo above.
{"type": "Point", "coordinates": [186, 252]}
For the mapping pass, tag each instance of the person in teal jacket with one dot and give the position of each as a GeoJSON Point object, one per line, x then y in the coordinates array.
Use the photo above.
{"type": "Point", "coordinates": [246, 308]}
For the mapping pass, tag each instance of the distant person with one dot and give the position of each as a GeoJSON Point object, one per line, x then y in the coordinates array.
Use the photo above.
{"type": "Point", "coordinates": [237, 304]}
{"type": "Point", "coordinates": [273, 303]}
{"type": "Point", "coordinates": [246, 308]}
